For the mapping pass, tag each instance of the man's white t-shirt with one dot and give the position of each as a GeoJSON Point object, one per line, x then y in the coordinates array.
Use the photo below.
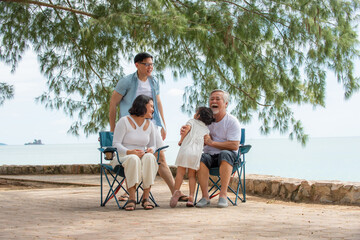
{"type": "Point", "coordinates": [144, 88]}
{"type": "Point", "coordinates": [228, 129]}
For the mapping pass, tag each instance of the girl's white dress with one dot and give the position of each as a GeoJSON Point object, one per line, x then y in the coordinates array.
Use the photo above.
{"type": "Point", "coordinates": [190, 151]}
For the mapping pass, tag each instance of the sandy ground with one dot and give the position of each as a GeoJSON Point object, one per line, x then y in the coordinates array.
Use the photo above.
{"type": "Point", "coordinates": [51, 208]}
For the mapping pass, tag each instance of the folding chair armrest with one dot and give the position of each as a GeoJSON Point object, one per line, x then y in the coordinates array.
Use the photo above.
{"type": "Point", "coordinates": [101, 149]}
{"type": "Point", "coordinates": [107, 149]}
{"type": "Point", "coordinates": [158, 151]}
{"type": "Point", "coordinates": [245, 149]}
{"type": "Point", "coordinates": [161, 148]}
{"type": "Point", "coordinates": [110, 149]}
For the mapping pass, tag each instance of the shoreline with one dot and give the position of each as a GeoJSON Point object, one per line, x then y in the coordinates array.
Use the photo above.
{"type": "Point", "coordinates": [267, 186]}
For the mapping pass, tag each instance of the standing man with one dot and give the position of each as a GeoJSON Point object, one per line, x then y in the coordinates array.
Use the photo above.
{"type": "Point", "coordinates": [221, 148]}
{"type": "Point", "coordinates": [133, 85]}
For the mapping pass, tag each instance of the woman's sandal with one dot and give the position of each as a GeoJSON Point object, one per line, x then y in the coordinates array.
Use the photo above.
{"type": "Point", "coordinates": [146, 204]}
{"type": "Point", "coordinates": [189, 204]}
{"type": "Point", "coordinates": [130, 205]}
{"type": "Point", "coordinates": [183, 198]}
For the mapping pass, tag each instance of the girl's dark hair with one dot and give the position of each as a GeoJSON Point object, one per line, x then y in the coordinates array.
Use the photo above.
{"type": "Point", "coordinates": [138, 107]}
{"type": "Point", "coordinates": [205, 115]}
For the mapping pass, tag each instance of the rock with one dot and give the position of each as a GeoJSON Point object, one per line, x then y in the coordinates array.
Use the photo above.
{"type": "Point", "coordinates": [275, 188]}
{"type": "Point", "coordinates": [322, 192]}
{"type": "Point", "coordinates": [304, 192]}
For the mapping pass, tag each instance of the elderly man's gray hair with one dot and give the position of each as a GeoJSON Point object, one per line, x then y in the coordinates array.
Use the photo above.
{"type": "Point", "coordinates": [226, 94]}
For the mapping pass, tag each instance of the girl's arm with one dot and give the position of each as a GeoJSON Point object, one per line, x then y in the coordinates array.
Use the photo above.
{"type": "Point", "coordinates": [184, 131]}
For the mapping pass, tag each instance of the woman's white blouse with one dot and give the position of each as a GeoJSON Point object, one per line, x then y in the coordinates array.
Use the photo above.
{"type": "Point", "coordinates": [128, 138]}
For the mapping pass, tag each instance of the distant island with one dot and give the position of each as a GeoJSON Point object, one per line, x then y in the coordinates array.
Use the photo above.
{"type": "Point", "coordinates": [35, 142]}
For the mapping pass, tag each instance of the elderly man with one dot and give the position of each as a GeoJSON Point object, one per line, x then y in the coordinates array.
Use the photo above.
{"type": "Point", "coordinates": [221, 148]}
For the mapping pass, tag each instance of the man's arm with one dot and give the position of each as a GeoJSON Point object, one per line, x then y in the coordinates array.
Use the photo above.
{"type": "Point", "coordinates": [114, 101]}
{"type": "Point", "coordinates": [160, 107]}
{"type": "Point", "coordinates": [228, 145]}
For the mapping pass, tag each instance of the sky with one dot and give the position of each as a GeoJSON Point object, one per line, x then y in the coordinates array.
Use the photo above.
{"type": "Point", "coordinates": [23, 120]}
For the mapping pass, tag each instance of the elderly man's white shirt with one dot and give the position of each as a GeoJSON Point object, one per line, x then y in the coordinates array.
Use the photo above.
{"type": "Point", "coordinates": [228, 129]}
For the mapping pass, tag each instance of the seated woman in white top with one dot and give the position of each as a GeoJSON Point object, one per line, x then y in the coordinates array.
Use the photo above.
{"type": "Point", "coordinates": [134, 138]}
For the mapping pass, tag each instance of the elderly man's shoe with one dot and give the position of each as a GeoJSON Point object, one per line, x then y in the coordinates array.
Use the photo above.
{"type": "Point", "coordinates": [222, 203]}
{"type": "Point", "coordinates": [203, 203]}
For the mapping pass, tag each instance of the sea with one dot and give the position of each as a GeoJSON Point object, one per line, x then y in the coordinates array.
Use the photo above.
{"type": "Point", "coordinates": [336, 158]}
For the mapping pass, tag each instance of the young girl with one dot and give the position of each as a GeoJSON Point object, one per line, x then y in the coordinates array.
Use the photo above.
{"type": "Point", "coordinates": [192, 144]}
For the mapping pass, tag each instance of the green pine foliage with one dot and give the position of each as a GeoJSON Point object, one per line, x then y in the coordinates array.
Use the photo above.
{"type": "Point", "coordinates": [6, 92]}
{"type": "Point", "coordinates": [268, 54]}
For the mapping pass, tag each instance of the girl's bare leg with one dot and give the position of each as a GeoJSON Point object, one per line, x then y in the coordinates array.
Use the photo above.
{"type": "Point", "coordinates": [178, 181]}
{"type": "Point", "coordinates": [179, 177]}
{"type": "Point", "coordinates": [192, 183]}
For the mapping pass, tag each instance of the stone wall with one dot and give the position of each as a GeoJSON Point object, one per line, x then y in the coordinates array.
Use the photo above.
{"type": "Point", "coordinates": [288, 189]}
{"type": "Point", "coordinates": [299, 190]}
{"type": "Point", "coordinates": [49, 169]}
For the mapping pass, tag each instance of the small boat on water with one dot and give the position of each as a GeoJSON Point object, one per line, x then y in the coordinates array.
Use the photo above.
{"type": "Point", "coordinates": [35, 142]}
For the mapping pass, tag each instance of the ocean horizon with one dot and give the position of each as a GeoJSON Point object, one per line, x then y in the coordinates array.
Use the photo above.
{"type": "Point", "coordinates": [333, 158]}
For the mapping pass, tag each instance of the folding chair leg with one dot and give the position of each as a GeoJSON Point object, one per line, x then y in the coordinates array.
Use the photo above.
{"type": "Point", "coordinates": [244, 185]}
{"type": "Point", "coordinates": [111, 192]}
{"type": "Point", "coordinates": [101, 186]}
{"type": "Point", "coordinates": [196, 194]}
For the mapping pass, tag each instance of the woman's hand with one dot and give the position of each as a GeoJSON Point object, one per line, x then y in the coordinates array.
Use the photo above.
{"type": "Point", "coordinates": [163, 133]}
{"type": "Point", "coordinates": [149, 150]}
{"type": "Point", "coordinates": [137, 152]}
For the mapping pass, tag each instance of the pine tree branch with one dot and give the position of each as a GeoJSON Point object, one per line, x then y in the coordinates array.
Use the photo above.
{"type": "Point", "coordinates": [50, 6]}
{"type": "Point", "coordinates": [193, 59]}
{"type": "Point", "coordinates": [237, 87]}
{"type": "Point", "coordinates": [77, 20]}
{"type": "Point", "coordinates": [87, 58]}
{"type": "Point", "coordinates": [247, 10]}
{"type": "Point", "coordinates": [92, 90]}
{"type": "Point", "coordinates": [180, 3]}
{"type": "Point", "coordinates": [222, 75]}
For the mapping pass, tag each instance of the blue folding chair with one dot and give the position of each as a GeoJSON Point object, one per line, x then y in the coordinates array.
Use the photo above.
{"type": "Point", "coordinates": [238, 169]}
{"type": "Point", "coordinates": [115, 176]}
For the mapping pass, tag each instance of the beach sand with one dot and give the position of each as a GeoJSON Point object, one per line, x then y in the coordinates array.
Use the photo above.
{"type": "Point", "coordinates": [57, 211]}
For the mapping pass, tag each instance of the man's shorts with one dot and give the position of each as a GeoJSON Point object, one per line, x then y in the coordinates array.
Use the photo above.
{"type": "Point", "coordinates": [212, 161]}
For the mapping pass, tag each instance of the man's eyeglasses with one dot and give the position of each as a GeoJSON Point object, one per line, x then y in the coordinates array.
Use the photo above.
{"type": "Point", "coordinates": [147, 64]}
